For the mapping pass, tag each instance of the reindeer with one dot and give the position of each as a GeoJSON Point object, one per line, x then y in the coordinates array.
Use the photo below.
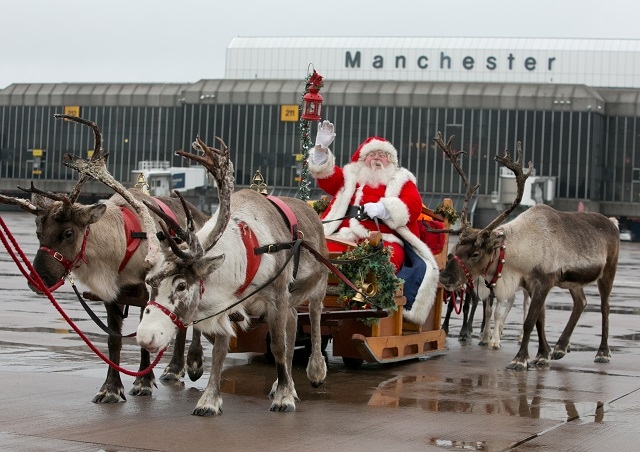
{"type": "Point", "coordinates": [540, 249]}
{"type": "Point", "coordinates": [238, 264]}
{"type": "Point", "coordinates": [89, 242]}
{"type": "Point", "coordinates": [469, 305]}
{"type": "Point", "coordinates": [499, 310]}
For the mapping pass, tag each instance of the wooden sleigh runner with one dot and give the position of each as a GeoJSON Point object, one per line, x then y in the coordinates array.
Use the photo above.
{"type": "Point", "coordinates": [387, 339]}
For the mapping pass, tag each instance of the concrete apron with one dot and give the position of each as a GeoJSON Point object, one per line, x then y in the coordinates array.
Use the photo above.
{"type": "Point", "coordinates": [463, 399]}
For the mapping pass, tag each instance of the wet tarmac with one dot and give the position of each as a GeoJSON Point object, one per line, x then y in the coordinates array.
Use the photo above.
{"type": "Point", "coordinates": [464, 399]}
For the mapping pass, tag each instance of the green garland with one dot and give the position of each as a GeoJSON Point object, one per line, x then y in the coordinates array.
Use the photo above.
{"type": "Point", "coordinates": [305, 140]}
{"type": "Point", "coordinates": [447, 212]}
{"type": "Point", "coordinates": [376, 261]}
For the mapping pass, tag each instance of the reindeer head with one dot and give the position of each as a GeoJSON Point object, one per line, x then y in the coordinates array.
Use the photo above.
{"type": "Point", "coordinates": [176, 281]}
{"type": "Point", "coordinates": [61, 223]}
{"type": "Point", "coordinates": [476, 249]}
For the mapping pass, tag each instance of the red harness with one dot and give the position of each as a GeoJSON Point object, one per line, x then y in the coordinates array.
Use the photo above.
{"type": "Point", "coordinates": [250, 242]}
{"type": "Point", "coordinates": [132, 231]}
{"type": "Point", "coordinates": [66, 263]}
{"type": "Point", "coordinates": [498, 272]}
{"type": "Point", "coordinates": [253, 252]}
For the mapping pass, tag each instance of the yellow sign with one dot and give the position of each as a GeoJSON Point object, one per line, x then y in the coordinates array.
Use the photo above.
{"type": "Point", "coordinates": [72, 110]}
{"type": "Point", "coordinates": [289, 113]}
{"type": "Point", "coordinates": [90, 153]}
{"type": "Point", "coordinates": [299, 157]}
{"type": "Point", "coordinates": [297, 179]}
{"type": "Point", "coordinates": [37, 171]}
{"type": "Point", "coordinates": [37, 152]}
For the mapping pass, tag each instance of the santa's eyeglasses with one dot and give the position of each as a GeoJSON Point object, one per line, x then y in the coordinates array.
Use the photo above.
{"type": "Point", "coordinates": [378, 154]}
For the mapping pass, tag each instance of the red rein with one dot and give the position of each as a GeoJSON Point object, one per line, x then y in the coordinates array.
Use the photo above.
{"type": "Point", "coordinates": [36, 281]}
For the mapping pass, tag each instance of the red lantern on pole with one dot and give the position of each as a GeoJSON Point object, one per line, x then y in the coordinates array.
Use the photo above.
{"type": "Point", "coordinates": [312, 101]}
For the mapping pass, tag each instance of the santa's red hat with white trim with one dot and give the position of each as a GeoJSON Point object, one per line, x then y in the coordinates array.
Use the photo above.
{"type": "Point", "coordinates": [372, 144]}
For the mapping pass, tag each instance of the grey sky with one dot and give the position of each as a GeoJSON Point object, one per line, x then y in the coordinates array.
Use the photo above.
{"type": "Point", "coordinates": [52, 41]}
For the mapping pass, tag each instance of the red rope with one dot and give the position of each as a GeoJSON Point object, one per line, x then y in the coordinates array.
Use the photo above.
{"type": "Point", "coordinates": [35, 280]}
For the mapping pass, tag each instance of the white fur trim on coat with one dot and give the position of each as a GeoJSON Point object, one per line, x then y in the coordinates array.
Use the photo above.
{"type": "Point", "coordinates": [323, 170]}
{"type": "Point", "coordinates": [379, 145]}
{"type": "Point", "coordinates": [399, 216]}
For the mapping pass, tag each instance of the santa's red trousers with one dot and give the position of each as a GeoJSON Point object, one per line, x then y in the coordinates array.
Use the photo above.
{"type": "Point", "coordinates": [397, 251]}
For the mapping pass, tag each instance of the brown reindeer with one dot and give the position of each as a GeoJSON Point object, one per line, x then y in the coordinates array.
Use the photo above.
{"type": "Point", "coordinates": [89, 241]}
{"type": "Point", "coordinates": [540, 249]}
{"type": "Point", "coordinates": [255, 256]}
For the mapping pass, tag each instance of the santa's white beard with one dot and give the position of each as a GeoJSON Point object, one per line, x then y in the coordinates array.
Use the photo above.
{"type": "Point", "coordinates": [375, 176]}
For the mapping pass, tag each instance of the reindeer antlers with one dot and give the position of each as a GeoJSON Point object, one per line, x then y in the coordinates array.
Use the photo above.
{"type": "Point", "coordinates": [24, 204]}
{"type": "Point", "coordinates": [97, 150]}
{"type": "Point", "coordinates": [219, 165]}
{"type": "Point", "coordinates": [453, 157]}
{"type": "Point", "coordinates": [504, 160]}
{"type": "Point", "coordinates": [521, 177]}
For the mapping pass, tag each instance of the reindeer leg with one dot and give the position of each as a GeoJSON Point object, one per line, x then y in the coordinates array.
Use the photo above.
{"type": "Point", "coordinates": [194, 356]}
{"type": "Point", "coordinates": [317, 366]}
{"type": "Point", "coordinates": [525, 310]}
{"type": "Point", "coordinates": [112, 389]}
{"type": "Point", "coordinates": [175, 370]}
{"type": "Point", "coordinates": [498, 316]}
{"type": "Point", "coordinates": [543, 358]}
{"type": "Point", "coordinates": [282, 328]}
{"type": "Point", "coordinates": [521, 360]}
{"type": "Point", "coordinates": [465, 331]}
{"type": "Point", "coordinates": [485, 337]}
{"type": "Point", "coordinates": [143, 386]}
{"type": "Point", "coordinates": [579, 303]}
{"type": "Point", "coordinates": [210, 404]}
{"type": "Point", "coordinates": [445, 323]}
{"type": "Point", "coordinates": [605, 285]}
{"type": "Point", "coordinates": [474, 305]}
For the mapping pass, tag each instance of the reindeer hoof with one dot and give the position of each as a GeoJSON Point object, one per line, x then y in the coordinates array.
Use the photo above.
{"type": "Point", "coordinates": [206, 411]}
{"type": "Point", "coordinates": [518, 365]}
{"type": "Point", "coordinates": [538, 362]}
{"type": "Point", "coordinates": [603, 357]}
{"type": "Point", "coordinates": [195, 372]}
{"type": "Point", "coordinates": [171, 374]}
{"type": "Point", "coordinates": [283, 408]}
{"type": "Point", "coordinates": [109, 397]}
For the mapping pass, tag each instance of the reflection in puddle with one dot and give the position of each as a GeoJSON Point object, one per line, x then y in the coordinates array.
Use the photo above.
{"type": "Point", "coordinates": [502, 394]}
{"type": "Point", "coordinates": [461, 445]}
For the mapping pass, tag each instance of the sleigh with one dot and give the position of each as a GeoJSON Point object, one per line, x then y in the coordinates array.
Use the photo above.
{"type": "Point", "coordinates": [365, 335]}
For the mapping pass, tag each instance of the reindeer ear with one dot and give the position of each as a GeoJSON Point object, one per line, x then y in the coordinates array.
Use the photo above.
{"type": "Point", "coordinates": [206, 265]}
{"type": "Point", "coordinates": [90, 214]}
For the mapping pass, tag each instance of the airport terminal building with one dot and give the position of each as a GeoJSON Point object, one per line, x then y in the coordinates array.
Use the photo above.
{"type": "Point", "coordinates": [573, 103]}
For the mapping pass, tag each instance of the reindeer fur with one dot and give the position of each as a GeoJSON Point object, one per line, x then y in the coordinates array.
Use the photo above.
{"type": "Point", "coordinates": [61, 226]}
{"type": "Point", "coordinates": [175, 284]}
{"type": "Point", "coordinates": [545, 248]}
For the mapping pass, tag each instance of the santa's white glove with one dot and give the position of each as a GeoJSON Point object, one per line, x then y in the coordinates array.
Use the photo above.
{"type": "Point", "coordinates": [376, 210]}
{"type": "Point", "coordinates": [325, 136]}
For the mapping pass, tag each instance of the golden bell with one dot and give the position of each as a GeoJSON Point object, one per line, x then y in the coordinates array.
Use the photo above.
{"type": "Point", "coordinates": [141, 183]}
{"type": "Point", "coordinates": [368, 289]}
{"type": "Point", "coordinates": [259, 184]}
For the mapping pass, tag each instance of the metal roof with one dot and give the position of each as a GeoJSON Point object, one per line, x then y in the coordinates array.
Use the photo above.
{"type": "Point", "coordinates": [336, 93]}
{"type": "Point", "coordinates": [93, 94]}
{"type": "Point", "coordinates": [470, 43]}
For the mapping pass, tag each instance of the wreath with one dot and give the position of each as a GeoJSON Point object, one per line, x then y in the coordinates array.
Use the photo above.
{"type": "Point", "coordinates": [447, 212]}
{"type": "Point", "coordinates": [321, 205]}
{"type": "Point", "coordinates": [370, 264]}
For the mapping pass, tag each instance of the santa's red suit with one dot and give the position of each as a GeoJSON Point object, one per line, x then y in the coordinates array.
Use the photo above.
{"type": "Point", "coordinates": [403, 205]}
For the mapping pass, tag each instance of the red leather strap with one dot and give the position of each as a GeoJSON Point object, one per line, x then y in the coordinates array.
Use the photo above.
{"type": "Point", "coordinates": [167, 210]}
{"type": "Point", "coordinates": [131, 224]}
{"type": "Point", "coordinates": [288, 213]}
{"type": "Point", "coordinates": [250, 242]}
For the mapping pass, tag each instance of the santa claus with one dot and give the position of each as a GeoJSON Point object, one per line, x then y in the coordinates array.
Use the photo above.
{"type": "Point", "coordinates": [374, 183]}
